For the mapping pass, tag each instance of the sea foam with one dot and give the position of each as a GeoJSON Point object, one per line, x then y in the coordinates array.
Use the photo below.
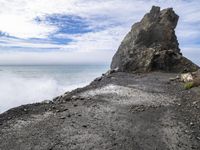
{"type": "Point", "coordinates": [16, 90]}
{"type": "Point", "coordinates": [21, 84]}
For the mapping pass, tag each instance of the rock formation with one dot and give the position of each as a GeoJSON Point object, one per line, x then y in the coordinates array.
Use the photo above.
{"type": "Point", "coordinates": [152, 45]}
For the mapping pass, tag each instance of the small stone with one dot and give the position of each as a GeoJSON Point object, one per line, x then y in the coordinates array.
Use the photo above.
{"type": "Point", "coordinates": [112, 112]}
{"type": "Point", "coordinates": [74, 97]}
{"type": "Point", "coordinates": [98, 79]}
{"type": "Point", "coordinates": [193, 147]}
{"type": "Point", "coordinates": [186, 131]}
{"type": "Point", "coordinates": [65, 109]}
{"type": "Point", "coordinates": [191, 123]}
{"type": "Point", "coordinates": [75, 105]}
{"type": "Point", "coordinates": [195, 102]}
{"type": "Point", "coordinates": [63, 117]}
{"type": "Point", "coordinates": [198, 138]}
{"type": "Point", "coordinates": [82, 98]}
{"type": "Point", "coordinates": [172, 79]}
{"type": "Point", "coordinates": [84, 126]}
{"type": "Point", "coordinates": [179, 104]}
{"type": "Point", "coordinates": [56, 98]}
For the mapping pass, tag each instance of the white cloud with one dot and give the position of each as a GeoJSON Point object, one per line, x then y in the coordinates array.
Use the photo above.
{"type": "Point", "coordinates": [11, 42]}
{"type": "Point", "coordinates": [17, 16]}
{"type": "Point", "coordinates": [75, 57]}
{"type": "Point", "coordinates": [116, 16]}
{"type": "Point", "coordinates": [108, 39]}
{"type": "Point", "coordinates": [22, 27]}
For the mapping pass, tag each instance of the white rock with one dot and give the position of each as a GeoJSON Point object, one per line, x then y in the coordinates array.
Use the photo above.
{"type": "Point", "coordinates": [187, 77]}
{"type": "Point", "coordinates": [74, 97]}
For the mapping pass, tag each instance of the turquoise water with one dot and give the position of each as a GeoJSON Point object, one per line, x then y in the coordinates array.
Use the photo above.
{"type": "Point", "coordinates": [29, 84]}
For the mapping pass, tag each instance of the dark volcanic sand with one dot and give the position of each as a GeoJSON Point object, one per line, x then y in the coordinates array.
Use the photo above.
{"type": "Point", "coordinates": [119, 112]}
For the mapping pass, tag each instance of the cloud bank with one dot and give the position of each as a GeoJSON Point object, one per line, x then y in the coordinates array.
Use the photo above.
{"type": "Point", "coordinates": [83, 31]}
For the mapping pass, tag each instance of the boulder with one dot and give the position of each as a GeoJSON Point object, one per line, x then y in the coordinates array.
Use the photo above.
{"type": "Point", "coordinates": [187, 77]}
{"type": "Point", "coordinates": [152, 45]}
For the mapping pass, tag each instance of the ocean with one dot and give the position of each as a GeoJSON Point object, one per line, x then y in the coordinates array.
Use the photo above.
{"type": "Point", "coordinates": [22, 84]}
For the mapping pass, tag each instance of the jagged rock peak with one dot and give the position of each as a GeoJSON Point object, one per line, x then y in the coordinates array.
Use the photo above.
{"type": "Point", "coordinates": [152, 45]}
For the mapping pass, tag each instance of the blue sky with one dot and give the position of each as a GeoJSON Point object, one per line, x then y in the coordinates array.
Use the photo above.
{"type": "Point", "coordinates": [83, 31]}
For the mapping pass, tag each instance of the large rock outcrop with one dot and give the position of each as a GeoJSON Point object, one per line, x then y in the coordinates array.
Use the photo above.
{"type": "Point", "coordinates": [152, 45]}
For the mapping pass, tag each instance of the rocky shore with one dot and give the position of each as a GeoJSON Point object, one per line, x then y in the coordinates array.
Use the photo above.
{"type": "Point", "coordinates": [134, 106]}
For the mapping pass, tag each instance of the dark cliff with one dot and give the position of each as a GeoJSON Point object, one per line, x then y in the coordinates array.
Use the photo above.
{"type": "Point", "coordinates": [152, 45]}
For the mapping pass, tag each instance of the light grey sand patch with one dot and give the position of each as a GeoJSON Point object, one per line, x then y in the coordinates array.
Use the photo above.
{"type": "Point", "coordinates": [20, 124]}
{"type": "Point", "coordinates": [132, 96]}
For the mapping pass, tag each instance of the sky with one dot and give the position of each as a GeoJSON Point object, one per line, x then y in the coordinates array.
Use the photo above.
{"type": "Point", "coordinates": [83, 31]}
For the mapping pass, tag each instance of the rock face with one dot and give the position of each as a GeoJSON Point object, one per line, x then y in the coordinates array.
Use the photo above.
{"type": "Point", "coordinates": [152, 45]}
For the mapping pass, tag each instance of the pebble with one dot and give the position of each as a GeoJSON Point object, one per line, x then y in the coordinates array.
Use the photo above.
{"type": "Point", "coordinates": [57, 110]}
{"type": "Point", "coordinates": [198, 138]}
{"type": "Point", "coordinates": [191, 123]}
{"type": "Point", "coordinates": [113, 112]}
{"type": "Point", "coordinates": [194, 103]}
{"type": "Point", "coordinates": [82, 98]}
{"type": "Point", "coordinates": [193, 147]}
{"type": "Point", "coordinates": [63, 117]}
{"type": "Point", "coordinates": [186, 131]}
{"type": "Point", "coordinates": [65, 109]}
{"type": "Point", "coordinates": [114, 144]}
{"type": "Point", "coordinates": [74, 97]}
{"type": "Point", "coordinates": [172, 79]}
{"type": "Point", "coordinates": [84, 126]}
{"type": "Point", "coordinates": [98, 79]}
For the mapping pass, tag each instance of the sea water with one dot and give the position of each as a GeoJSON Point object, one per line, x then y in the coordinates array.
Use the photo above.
{"type": "Point", "coordinates": [29, 84]}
